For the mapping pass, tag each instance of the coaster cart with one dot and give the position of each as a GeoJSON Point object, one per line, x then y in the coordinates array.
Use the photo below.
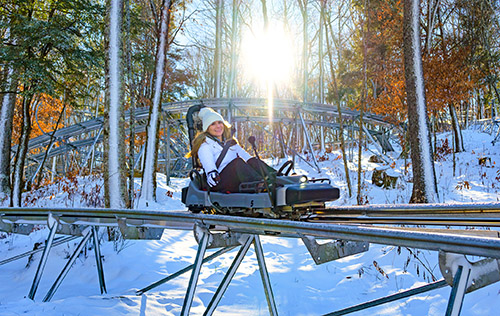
{"type": "Point", "coordinates": [283, 196]}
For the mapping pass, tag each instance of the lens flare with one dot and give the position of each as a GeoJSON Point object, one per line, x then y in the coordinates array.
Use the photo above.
{"type": "Point", "coordinates": [267, 58]}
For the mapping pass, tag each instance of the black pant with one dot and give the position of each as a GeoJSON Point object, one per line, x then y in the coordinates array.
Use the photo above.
{"type": "Point", "coordinates": [238, 171]}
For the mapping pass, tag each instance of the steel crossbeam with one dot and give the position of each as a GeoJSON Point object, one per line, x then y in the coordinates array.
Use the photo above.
{"type": "Point", "coordinates": [390, 298]}
{"type": "Point", "coordinates": [449, 242]}
{"type": "Point", "coordinates": [182, 271]}
{"type": "Point", "coordinates": [228, 276]}
{"type": "Point", "coordinates": [458, 291]}
{"type": "Point", "coordinates": [29, 253]}
{"type": "Point", "coordinates": [86, 236]}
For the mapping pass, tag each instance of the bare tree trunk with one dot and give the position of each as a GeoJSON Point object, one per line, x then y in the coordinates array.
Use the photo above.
{"type": "Point", "coordinates": [132, 95]}
{"type": "Point", "coordinates": [148, 191]}
{"type": "Point", "coordinates": [459, 143]}
{"type": "Point", "coordinates": [264, 14]}
{"type": "Point", "coordinates": [432, 6]}
{"type": "Point", "coordinates": [424, 177]}
{"type": "Point", "coordinates": [321, 67]}
{"type": "Point", "coordinates": [231, 91]}
{"type": "Point", "coordinates": [8, 97]}
{"type": "Point", "coordinates": [218, 49]}
{"type": "Point", "coordinates": [6, 116]}
{"type": "Point", "coordinates": [338, 100]}
{"type": "Point", "coordinates": [22, 149]}
{"type": "Point", "coordinates": [359, 197]}
{"type": "Point", "coordinates": [305, 51]}
{"type": "Point", "coordinates": [115, 175]}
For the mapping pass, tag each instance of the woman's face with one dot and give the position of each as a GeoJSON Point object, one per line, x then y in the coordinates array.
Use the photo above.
{"type": "Point", "coordinates": [216, 129]}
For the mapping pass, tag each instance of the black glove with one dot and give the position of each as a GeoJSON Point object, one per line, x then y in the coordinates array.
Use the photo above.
{"type": "Point", "coordinates": [213, 178]}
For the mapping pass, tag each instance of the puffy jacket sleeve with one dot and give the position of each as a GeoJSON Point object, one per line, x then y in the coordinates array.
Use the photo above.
{"type": "Point", "coordinates": [206, 156]}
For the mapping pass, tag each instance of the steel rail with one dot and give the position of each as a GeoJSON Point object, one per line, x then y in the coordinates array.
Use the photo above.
{"type": "Point", "coordinates": [415, 209]}
{"type": "Point", "coordinates": [449, 242]}
{"type": "Point", "coordinates": [409, 220]}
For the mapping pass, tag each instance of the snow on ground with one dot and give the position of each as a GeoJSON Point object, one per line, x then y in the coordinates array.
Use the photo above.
{"type": "Point", "coordinates": [300, 287]}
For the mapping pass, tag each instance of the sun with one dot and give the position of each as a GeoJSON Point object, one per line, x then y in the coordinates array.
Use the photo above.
{"type": "Point", "coordinates": [267, 55]}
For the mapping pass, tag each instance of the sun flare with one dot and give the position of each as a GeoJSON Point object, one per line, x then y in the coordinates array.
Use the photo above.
{"type": "Point", "coordinates": [267, 56]}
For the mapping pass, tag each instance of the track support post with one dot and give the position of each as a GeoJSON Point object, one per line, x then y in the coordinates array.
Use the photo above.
{"type": "Point", "coordinates": [228, 277]}
{"type": "Point", "coordinates": [52, 224]}
{"type": "Point", "coordinates": [465, 276]}
{"type": "Point", "coordinates": [458, 290]}
{"type": "Point", "coordinates": [188, 299]}
{"type": "Point", "coordinates": [98, 260]}
{"type": "Point", "coordinates": [86, 236]}
{"type": "Point", "coordinates": [259, 252]}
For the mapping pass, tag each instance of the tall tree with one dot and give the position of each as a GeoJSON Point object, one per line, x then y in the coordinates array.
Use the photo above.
{"type": "Point", "coordinates": [148, 191]}
{"type": "Point", "coordinates": [115, 177]}
{"type": "Point", "coordinates": [218, 49]}
{"type": "Point", "coordinates": [305, 48]}
{"type": "Point", "coordinates": [424, 177]}
{"type": "Point", "coordinates": [53, 44]}
{"type": "Point", "coordinates": [8, 99]}
{"type": "Point", "coordinates": [364, 31]}
{"type": "Point", "coordinates": [22, 148]}
{"type": "Point", "coordinates": [337, 98]}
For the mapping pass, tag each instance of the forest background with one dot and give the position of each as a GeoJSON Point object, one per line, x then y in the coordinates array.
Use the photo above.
{"type": "Point", "coordinates": [56, 64]}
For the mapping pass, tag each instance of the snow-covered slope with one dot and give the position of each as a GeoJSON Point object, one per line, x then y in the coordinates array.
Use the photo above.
{"type": "Point", "coordinates": [300, 287]}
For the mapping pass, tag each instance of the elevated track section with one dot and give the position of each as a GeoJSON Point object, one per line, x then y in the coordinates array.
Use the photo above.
{"type": "Point", "coordinates": [463, 229]}
{"type": "Point", "coordinates": [293, 128]}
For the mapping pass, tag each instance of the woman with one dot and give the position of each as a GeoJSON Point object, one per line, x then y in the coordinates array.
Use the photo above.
{"type": "Point", "coordinates": [224, 172]}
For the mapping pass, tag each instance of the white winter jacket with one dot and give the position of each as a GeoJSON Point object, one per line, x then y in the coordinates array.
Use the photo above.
{"type": "Point", "coordinates": [210, 150]}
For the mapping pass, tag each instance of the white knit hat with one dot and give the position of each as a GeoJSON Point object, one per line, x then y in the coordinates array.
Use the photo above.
{"type": "Point", "coordinates": [208, 116]}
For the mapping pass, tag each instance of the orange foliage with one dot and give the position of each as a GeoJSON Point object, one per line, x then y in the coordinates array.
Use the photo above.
{"type": "Point", "coordinates": [449, 78]}
{"type": "Point", "coordinates": [385, 61]}
{"type": "Point", "coordinates": [49, 110]}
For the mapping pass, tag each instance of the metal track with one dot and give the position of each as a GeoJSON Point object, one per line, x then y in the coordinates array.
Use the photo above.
{"type": "Point", "coordinates": [449, 240]}
{"type": "Point", "coordinates": [467, 214]}
{"type": "Point", "coordinates": [465, 209]}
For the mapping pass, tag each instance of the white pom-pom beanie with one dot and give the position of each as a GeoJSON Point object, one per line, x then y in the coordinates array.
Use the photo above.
{"type": "Point", "coordinates": [208, 116]}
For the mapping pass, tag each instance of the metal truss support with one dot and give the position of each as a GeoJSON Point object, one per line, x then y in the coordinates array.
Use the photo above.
{"type": "Point", "coordinates": [182, 271]}
{"type": "Point", "coordinates": [24, 229]}
{"type": "Point", "coordinates": [465, 277]}
{"type": "Point", "coordinates": [390, 298]}
{"type": "Point", "coordinates": [188, 299]}
{"type": "Point", "coordinates": [458, 291]}
{"type": "Point", "coordinates": [219, 240]}
{"type": "Point", "coordinates": [91, 151]}
{"type": "Point", "coordinates": [309, 141]}
{"type": "Point", "coordinates": [333, 250]}
{"type": "Point", "coordinates": [98, 260]}
{"type": "Point", "coordinates": [29, 253]}
{"type": "Point", "coordinates": [265, 276]}
{"type": "Point", "coordinates": [52, 224]}
{"type": "Point", "coordinates": [86, 236]}
{"type": "Point", "coordinates": [375, 143]}
{"type": "Point", "coordinates": [134, 232]}
{"type": "Point", "coordinates": [229, 276]}
{"type": "Point", "coordinates": [483, 272]}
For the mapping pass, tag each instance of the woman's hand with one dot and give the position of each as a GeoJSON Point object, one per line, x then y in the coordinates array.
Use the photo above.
{"type": "Point", "coordinates": [213, 178]}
